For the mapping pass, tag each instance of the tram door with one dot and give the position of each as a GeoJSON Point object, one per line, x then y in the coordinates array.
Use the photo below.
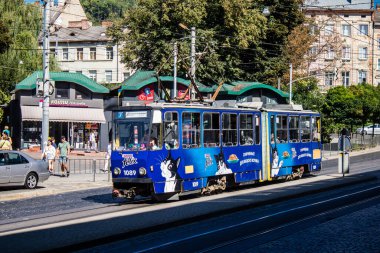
{"type": "Point", "coordinates": [278, 141]}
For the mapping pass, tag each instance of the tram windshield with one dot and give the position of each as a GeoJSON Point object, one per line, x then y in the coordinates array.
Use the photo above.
{"type": "Point", "coordinates": [137, 131]}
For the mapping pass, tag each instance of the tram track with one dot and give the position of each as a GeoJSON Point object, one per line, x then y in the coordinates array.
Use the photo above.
{"type": "Point", "coordinates": [262, 229]}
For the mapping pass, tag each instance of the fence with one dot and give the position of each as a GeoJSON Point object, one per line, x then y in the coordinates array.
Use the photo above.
{"type": "Point", "coordinates": [358, 142]}
{"type": "Point", "coordinates": [85, 166]}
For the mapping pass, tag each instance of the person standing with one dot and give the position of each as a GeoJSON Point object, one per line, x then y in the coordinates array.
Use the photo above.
{"type": "Point", "coordinates": [49, 155]}
{"type": "Point", "coordinates": [93, 141]}
{"type": "Point", "coordinates": [5, 144]}
{"type": "Point", "coordinates": [108, 157]}
{"type": "Point", "coordinates": [63, 151]}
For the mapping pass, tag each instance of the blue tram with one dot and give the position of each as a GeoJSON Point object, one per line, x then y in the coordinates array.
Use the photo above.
{"type": "Point", "coordinates": [162, 150]}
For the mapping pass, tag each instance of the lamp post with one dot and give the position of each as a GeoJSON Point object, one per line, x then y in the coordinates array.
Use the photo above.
{"type": "Point", "coordinates": [46, 75]}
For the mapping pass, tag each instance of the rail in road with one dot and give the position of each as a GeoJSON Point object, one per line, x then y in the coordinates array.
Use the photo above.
{"type": "Point", "coordinates": [89, 223]}
{"type": "Point", "coordinates": [247, 230]}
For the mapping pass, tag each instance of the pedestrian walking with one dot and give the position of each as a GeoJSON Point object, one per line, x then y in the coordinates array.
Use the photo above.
{"type": "Point", "coordinates": [6, 130]}
{"type": "Point", "coordinates": [63, 151]}
{"type": "Point", "coordinates": [108, 157]}
{"type": "Point", "coordinates": [53, 142]}
{"type": "Point", "coordinates": [49, 155]}
{"type": "Point", "coordinates": [5, 144]}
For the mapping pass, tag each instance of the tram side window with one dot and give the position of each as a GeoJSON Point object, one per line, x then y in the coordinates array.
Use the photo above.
{"type": "Point", "coordinates": [191, 130]}
{"type": "Point", "coordinates": [257, 129]}
{"type": "Point", "coordinates": [229, 126]}
{"type": "Point", "coordinates": [282, 128]}
{"type": "Point", "coordinates": [294, 129]}
{"type": "Point", "coordinates": [211, 130]}
{"type": "Point", "coordinates": [316, 124]}
{"type": "Point", "coordinates": [272, 127]}
{"type": "Point", "coordinates": [171, 130]}
{"type": "Point", "coordinates": [305, 128]}
{"type": "Point", "coordinates": [246, 129]}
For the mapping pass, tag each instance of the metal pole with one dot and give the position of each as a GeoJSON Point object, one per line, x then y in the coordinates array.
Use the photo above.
{"type": "Point", "coordinates": [175, 70]}
{"type": "Point", "coordinates": [192, 57]}
{"type": "Point", "coordinates": [290, 82]}
{"type": "Point", "coordinates": [46, 75]}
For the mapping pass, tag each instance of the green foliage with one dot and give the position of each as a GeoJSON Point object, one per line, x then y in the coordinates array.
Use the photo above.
{"type": "Point", "coordinates": [98, 10]}
{"type": "Point", "coordinates": [22, 56]}
{"type": "Point", "coordinates": [235, 41]}
{"type": "Point", "coordinates": [5, 38]}
{"type": "Point", "coordinates": [306, 93]}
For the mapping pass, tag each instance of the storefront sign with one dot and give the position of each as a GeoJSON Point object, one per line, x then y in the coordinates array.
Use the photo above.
{"type": "Point", "coordinates": [146, 93]}
{"type": "Point", "coordinates": [67, 103]}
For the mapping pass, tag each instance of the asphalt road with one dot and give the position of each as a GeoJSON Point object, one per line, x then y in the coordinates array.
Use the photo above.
{"type": "Point", "coordinates": [335, 218]}
{"type": "Point", "coordinates": [99, 200]}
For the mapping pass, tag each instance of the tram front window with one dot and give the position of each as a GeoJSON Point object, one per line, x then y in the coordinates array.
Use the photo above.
{"type": "Point", "coordinates": [132, 134]}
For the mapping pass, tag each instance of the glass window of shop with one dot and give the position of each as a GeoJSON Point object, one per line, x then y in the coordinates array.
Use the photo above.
{"type": "Point", "coordinates": [62, 90]}
{"type": "Point", "coordinates": [80, 138]}
{"type": "Point", "coordinates": [82, 93]}
{"type": "Point", "coordinates": [31, 133]}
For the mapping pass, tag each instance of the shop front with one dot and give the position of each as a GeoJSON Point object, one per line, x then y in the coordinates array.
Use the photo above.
{"type": "Point", "coordinates": [76, 111]}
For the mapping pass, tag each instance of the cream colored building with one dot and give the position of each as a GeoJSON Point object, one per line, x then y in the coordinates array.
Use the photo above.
{"type": "Point", "coordinates": [345, 50]}
{"type": "Point", "coordinates": [83, 48]}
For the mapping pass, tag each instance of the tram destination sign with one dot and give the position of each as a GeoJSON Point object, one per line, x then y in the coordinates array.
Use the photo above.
{"type": "Point", "coordinates": [128, 115]}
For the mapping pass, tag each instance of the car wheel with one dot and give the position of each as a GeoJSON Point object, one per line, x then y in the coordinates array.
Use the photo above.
{"type": "Point", "coordinates": [31, 181]}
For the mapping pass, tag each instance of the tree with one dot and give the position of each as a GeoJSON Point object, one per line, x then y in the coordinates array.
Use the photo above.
{"type": "Point", "coordinates": [234, 39]}
{"type": "Point", "coordinates": [306, 93]}
{"type": "Point", "coordinates": [5, 38]}
{"type": "Point", "coordinates": [99, 10]}
{"type": "Point", "coordinates": [340, 109]}
{"type": "Point", "coordinates": [366, 101]}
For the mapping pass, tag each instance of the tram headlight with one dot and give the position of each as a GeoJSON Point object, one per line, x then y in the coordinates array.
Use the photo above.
{"type": "Point", "coordinates": [117, 171]}
{"type": "Point", "coordinates": [142, 171]}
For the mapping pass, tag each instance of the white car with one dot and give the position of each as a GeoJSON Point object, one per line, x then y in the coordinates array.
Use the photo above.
{"type": "Point", "coordinates": [369, 129]}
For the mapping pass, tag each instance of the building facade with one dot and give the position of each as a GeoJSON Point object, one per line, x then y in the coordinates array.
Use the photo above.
{"type": "Point", "coordinates": [80, 47]}
{"type": "Point", "coordinates": [344, 53]}
{"type": "Point", "coordinates": [76, 109]}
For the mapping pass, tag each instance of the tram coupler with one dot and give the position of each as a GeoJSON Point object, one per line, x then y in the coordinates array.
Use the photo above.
{"type": "Point", "coordinates": [130, 193]}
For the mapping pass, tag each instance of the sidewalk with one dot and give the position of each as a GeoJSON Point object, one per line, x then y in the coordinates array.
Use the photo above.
{"type": "Point", "coordinates": [79, 182]}
{"type": "Point", "coordinates": [76, 154]}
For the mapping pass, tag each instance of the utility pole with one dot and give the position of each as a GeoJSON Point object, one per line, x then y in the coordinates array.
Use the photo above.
{"type": "Point", "coordinates": [175, 70]}
{"type": "Point", "coordinates": [192, 58]}
{"type": "Point", "coordinates": [46, 75]}
{"type": "Point", "coordinates": [290, 82]}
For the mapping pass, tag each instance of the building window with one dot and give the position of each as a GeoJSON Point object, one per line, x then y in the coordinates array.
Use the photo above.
{"type": "Point", "coordinates": [53, 52]}
{"type": "Point", "coordinates": [79, 71]}
{"type": "Point", "coordinates": [329, 30]}
{"type": "Point", "coordinates": [312, 29]}
{"type": "Point", "coordinates": [346, 53]}
{"type": "Point", "coordinates": [80, 54]}
{"type": "Point", "coordinates": [108, 76]}
{"type": "Point", "coordinates": [93, 53]}
{"type": "Point", "coordinates": [329, 78]}
{"type": "Point", "coordinates": [346, 78]}
{"type": "Point", "coordinates": [109, 53]}
{"type": "Point", "coordinates": [362, 76]}
{"type": "Point", "coordinates": [313, 51]}
{"type": "Point", "coordinates": [363, 29]}
{"type": "Point", "coordinates": [346, 30]}
{"type": "Point", "coordinates": [330, 54]}
{"type": "Point", "coordinates": [81, 93]}
{"type": "Point", "coordinates": [378, 64]}
{"type": "Point", "coordinates": [126, 75]}
{"type": "Point", "coordinates": [62, 90]}
{"type": "Point", "coordinates": [363, 53]}
{"type": "Point", "coordinates": [378, 43]}
{"type": "Point", "coordinates": [92, 75]}
{"type": "Point", "coordinates": [65, 54]}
